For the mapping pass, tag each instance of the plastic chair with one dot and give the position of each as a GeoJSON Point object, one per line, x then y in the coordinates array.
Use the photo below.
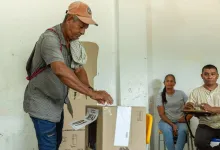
{"type": "Point", "coordinates": [160, 133]}
{"type": "Point", "coordinates": [149, 123]}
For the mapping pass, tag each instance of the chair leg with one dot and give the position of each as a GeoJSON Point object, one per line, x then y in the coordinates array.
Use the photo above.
{"type": "Point", "coordinates": [188, 142]}
{"type": "Point", "coordinates": [159, 142]}
{"type": "Point", "coordinates": [192, 143]}
{"type": "Point", "coordinates": [164, 146]}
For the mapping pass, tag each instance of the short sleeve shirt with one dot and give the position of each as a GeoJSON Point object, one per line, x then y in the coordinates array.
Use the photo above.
{"type": "Point", "coordinates": [175, 103]}
{"type": "Point", "coordinates": [45, 94]}
{"type": "Point", "coordinates": [202, 95]}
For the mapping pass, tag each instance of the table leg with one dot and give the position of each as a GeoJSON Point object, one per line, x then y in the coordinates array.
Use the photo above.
{"type": "Point", "coordinates": [187, 123]}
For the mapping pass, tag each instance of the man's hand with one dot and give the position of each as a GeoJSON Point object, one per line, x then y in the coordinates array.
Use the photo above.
{"type": "Point", "coordinates": [206, 107]}
{"type": "Point", "coordinates": [102, 97]}
{"type": "Point", "coordinates": [189, 105]}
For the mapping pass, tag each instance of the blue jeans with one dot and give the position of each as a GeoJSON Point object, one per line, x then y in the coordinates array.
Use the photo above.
{"type": "Point", "coordinates": [168, 135]}
{"type": "Point", "coordinates": [49, 134]}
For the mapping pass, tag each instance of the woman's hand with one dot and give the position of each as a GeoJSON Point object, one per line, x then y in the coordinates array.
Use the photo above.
{"type": "Point", "coordinates": [175, 129]}
{"type": "Point", "coordinates": [182, 120]}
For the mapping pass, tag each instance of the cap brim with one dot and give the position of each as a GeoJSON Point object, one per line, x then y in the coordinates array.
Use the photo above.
{"type": "Point", "coordinates": [87, 20]}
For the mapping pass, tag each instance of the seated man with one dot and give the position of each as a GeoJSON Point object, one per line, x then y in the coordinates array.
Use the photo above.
{"type": "Point", "coordinates": [207, 97]}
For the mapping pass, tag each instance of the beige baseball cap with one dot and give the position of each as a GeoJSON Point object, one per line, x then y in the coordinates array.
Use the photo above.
{"type": "Point", "coordinates": [82, 11]}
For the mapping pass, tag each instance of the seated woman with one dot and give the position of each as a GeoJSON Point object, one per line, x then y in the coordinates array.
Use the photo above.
{"type": "Point", "coordinates": [169, 105]}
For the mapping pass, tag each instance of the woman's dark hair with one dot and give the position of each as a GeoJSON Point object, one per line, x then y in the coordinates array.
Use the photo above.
{"type": "Point", "coordinates": [163, 94]}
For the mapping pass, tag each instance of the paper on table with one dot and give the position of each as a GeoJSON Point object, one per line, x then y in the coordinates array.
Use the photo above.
{"type": "Point", "coordinates": [123, 123]}
{"type": "Point", "coordinates": [90, 117]}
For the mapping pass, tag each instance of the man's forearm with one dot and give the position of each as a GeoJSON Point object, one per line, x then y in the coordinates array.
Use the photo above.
{"type": "Point", "coordinates": [68, 77]}
{"type": "Point", "coordinates": [82, 76]}
{"type": "Point", "coordinates": [216, 110]}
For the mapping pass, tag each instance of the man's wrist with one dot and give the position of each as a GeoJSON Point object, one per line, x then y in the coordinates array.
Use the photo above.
{"type": "Point", "coordinates": [214, 110]}
{"type": "Point", "coordinates": [91, 92]}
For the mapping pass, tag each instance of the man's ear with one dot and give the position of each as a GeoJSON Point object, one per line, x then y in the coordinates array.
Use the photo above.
{"type": "Point", "coordinates": [69, 18]}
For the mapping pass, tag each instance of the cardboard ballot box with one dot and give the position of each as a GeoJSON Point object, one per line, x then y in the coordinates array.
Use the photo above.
{"type": "Point", "coordinates": [77, 100]}
{"type": "Point", "coordinates": [73, 140]}
{"type": "Point", "coordinates": [117, 128]}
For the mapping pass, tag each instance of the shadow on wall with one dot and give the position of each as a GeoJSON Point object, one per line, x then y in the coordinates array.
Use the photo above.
{"type": "Point", "coordinates": [156, 86]}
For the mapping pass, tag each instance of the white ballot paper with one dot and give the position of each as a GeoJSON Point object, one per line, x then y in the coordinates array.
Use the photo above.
{"type": "Point", "coordinates": [91, 116]}
{"type": "Point", "coordinates": [123, 123]}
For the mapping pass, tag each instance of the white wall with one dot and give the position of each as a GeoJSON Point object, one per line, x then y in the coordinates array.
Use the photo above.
{"type": "Point", "coordinates": [121, 60]}
{"type": "Point", "coordinates": [183, 36]}
{"type": "Point", "coordinates": [132, 52]}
